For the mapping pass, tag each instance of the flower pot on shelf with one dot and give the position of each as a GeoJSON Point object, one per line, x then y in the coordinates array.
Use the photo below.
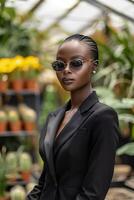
{"type": "Point", "coordinates": [15, 126]}
{"type": "Point", "coordinates": [3, 82]}
{"type": "Point", "coordinates": [3, 127]}
{"type": "Point", "coordinates": [25, 166]}
{"type": "Point", "coordinates": [29, 126]}
{"type": "Point", "coordinates": [3, 86]}
{"type": "Point", "coordinates": [28, 116]}
{"type": "Point", "coordinates": [13, 119]}
{"type": "Point", "coordinates": [32, 84]}
{"type": "Point", "coordinates": [3, 121]}
{"type": "Point", "coordinates": [26, 175]}
{"type": "Point", "coordinates": [16, 78]}
{"type": "Point", "coordinates": [17, 85]}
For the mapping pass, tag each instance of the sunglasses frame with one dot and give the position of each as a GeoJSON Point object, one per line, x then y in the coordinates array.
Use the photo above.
{"type": "Point", "coordinates": [65, 64]}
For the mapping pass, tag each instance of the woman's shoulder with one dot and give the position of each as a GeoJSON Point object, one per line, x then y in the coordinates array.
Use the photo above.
{"type": "Point", "coordinates": [102, 109]}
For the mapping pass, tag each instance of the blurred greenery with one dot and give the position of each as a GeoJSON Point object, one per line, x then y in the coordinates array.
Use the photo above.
{"type": "Point", "coordinates": [127, 149]}
{"type": "Point", "coordinates": [50, 103]}
{"type": "Point", "coordinates": [114, 81]}
{"type": "Point", "coordinates": [15, 37]}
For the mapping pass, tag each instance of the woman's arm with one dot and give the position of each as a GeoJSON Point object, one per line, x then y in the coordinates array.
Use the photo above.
{"type": "Point", "coordinates": [104, 141]}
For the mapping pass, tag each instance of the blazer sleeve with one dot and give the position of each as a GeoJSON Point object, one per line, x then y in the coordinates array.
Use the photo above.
{"type": "Point", "coordinates": [104, 142]}
{"type": "Point", "coordinates": [36, 192]}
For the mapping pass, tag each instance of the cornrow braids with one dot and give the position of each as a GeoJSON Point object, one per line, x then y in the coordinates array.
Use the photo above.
{"type": "Point", "coordinates": [89, 42]}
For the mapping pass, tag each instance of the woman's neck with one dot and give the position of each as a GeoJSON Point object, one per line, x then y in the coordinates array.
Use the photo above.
{"type": "Point", "coordinates": [77, 97]}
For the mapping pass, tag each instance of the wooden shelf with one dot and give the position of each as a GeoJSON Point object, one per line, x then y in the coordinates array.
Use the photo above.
{"type": "Point", "coordinates": [23, 92]}
{"type": "Point", "coordinates": [18, 133]}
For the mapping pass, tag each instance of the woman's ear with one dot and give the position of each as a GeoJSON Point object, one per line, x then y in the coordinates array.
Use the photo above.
{"type": "Point", "coordinates": [94, 66]}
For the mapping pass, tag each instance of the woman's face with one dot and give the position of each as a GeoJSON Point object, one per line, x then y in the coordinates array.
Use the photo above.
{"type": "Point", "coordinates": [74, 79]}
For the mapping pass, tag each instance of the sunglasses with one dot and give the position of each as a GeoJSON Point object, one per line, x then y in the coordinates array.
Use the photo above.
{"type": "Point", "coordinates": [75, 64]}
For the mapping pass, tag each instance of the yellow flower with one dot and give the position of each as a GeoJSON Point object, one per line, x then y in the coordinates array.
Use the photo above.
{"type": "Point", "coordinates": [32, 62]}
{"type": "Point", "coordinates": [8, 65]}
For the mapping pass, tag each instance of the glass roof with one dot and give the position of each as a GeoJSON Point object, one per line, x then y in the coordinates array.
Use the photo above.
{"type": "Point", "coordinates": [80, 16]}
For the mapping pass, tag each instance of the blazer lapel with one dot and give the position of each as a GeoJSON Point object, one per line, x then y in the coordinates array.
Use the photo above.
{"type": "Point", "coordinates": [76, 121]}
{"type": "Point", "coordinates": [49, 139]}
{"type": "Point", "coordinates": [69, 130]}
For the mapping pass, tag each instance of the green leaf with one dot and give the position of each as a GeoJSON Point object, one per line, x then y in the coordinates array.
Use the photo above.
{"type": "Point", "coordinates": [127, 149]}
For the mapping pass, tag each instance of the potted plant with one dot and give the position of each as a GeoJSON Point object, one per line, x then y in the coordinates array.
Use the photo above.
{"type": "Point", "coordinates": [3, 121]}
{"type": "Point", "coordinates": [32, 69]}
{"type": "Point", "coordinates": [25, 165]}
{"type": "Point", "coordinates": [14, 119]}
{"type": "Point", "coordinates": [16, 76]}
{"type": "Point", "coordinates": [12, 165]}
{"type": "Point", "coordinates": [3, 171]}
{"type": "Point", "coordinates": [3, 82]}
{"type": "Point", "coordinates": [17, 193]}
{"type": "Point", "coordinates": [29, 117]}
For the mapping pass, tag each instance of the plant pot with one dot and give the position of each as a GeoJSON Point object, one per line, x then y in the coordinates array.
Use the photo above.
{"type": "Point", "coordinates": [26, 176]}
{"type": "Point", "coordinates": [32, 85]}
{"type": "Point", "coordinates": [3, 198]}
{"type": "Point", "coordinates": [17, 85]}
{"type": "Point", "coordinates": [3, 127]}
{"type": "Point", "coordinates": [29, 126]}
{"type": "Point", "coordinates": [3, 86]}
{"type": "Point", "coordinates": [15, 126]}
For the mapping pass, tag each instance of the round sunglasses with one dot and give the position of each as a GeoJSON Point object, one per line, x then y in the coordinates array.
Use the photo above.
{"type": "Point", "coordinates": [75, 64]}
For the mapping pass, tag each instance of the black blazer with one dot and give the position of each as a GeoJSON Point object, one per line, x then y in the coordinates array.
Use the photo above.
{"type": "Point", "coordinates": [79, 163]}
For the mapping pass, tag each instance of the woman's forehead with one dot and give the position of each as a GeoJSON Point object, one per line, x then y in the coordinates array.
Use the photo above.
{"type": "Point", "coordinates": [73, 48]}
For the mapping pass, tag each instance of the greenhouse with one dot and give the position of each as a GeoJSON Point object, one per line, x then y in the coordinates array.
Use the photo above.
{"type": "Point", "coordinates": [32, 88]}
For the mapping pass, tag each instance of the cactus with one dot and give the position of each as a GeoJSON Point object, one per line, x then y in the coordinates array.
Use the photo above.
{"type": "Point", "coordinates": [18, 193]}
{"type": "Point", "coordinates": [13, 116]}
{"type": "Point", "coordinates": [27, 113]}
{"type": "Point", "coordinates": [25, 162]}
{"type": "Point", "coordinates": [12, 163]}
{"type": "Point", "coordinates": [3, 116]}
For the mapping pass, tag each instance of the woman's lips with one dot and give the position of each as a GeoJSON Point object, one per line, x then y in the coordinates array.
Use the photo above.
{"type": "Point", "coordinates": [67, 81]}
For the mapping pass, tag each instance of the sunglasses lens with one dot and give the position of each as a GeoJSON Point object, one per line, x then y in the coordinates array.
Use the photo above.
{"type": "Point", "coordinates": [76, 63]}
{"type": "Point", "coordinates": [58, 65]}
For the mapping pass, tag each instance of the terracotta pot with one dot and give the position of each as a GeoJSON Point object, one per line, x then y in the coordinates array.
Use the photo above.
{"type": "Point", "coordinates": [32, 85]}
{"type": "Point", "coordinates": [3, 126]}
{"type": "Point", "coordinates": [29, 126]}
{"type": "Point", "coordinates": [6, 197]}
{"type": "Point", "coordinates": [26, 176]}
{"type": "Point", "coordinates": [3, 198]}
{"type": "Point", "coordinates": [3, 86]}
{"type": "Point", "coordinates": [15, 126]}
{"type": "Point", "coordinates": [17, 85]}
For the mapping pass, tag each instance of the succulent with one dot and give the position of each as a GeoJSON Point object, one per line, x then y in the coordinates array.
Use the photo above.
{"type": "Point", "coordinates": [18, 193]}
{"type": "Point", "coordinates": [27, 114]}
{"type": "Point", "coordinates": [12, 162]}
{"type": "Point", "coordinates": [13, 116]}
{"type": "Point", "coordinates": [25, 162]}
{"type": "Point", "coordinates": [3, 116]}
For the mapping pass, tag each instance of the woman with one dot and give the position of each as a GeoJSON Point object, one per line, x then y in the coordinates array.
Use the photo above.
{"type": "Point", "coordinates": [79, 140]}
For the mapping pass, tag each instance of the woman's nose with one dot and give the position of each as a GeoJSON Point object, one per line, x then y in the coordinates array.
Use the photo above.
{"type": "Point", "coordinates": [67, 68]}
